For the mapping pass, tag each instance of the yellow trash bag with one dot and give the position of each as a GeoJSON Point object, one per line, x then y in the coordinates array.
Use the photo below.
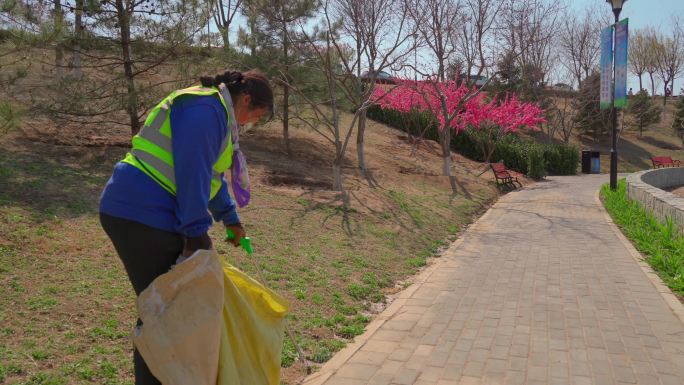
{"type": "Point", "coordinates": [252, 336]}
{"type": "Point", "coordinates": [206, 323]}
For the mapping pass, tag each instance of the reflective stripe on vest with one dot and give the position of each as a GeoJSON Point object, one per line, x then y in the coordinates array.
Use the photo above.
{"type": "Point", "coordinates": [157, 163]}
{"type": "Point", "coordinates": [143, 155]}
{"type": "Point", "coordinates": [153, 133]}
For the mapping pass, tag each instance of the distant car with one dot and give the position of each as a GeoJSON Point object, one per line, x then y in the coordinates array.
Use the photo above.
{"type": "Point", "coordinates": [475, 80]}
{"type": "Point", "coordinates": [562, 87]}
{"type": "Point", "coordinates": [381, 77]}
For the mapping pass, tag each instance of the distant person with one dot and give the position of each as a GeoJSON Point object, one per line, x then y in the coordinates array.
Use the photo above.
{"type": "Point", "coordinates": [630, 93]}
{"type": "Point", "coordinates": [159, 202]}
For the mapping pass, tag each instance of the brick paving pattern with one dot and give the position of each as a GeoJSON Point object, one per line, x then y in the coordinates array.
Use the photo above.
{"type": "Point", "coordinates": [540, 291]}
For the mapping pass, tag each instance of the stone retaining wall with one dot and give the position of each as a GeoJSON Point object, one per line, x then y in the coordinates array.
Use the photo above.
{"type": "Point", "coordinates": [646, 188]}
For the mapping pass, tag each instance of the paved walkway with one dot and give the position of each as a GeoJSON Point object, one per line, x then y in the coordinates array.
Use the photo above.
{"type": "Point", "coordinates": [541, 290]}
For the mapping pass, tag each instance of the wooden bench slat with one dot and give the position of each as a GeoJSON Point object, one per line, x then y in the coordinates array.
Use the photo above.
{"type": "Point", "coordinates": [502, 174]}
{"type": "Point", "coordinates": [664, 161]}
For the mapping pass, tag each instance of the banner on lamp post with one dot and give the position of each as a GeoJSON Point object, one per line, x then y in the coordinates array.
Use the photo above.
{"type": "Point", "coordinates": [621, 38]}
{"type": "Point", "coordinates": [606, 67]}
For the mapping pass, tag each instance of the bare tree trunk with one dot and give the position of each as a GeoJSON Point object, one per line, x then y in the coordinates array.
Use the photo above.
{"type": "Point", "coordinates": [360, 147]}
{"type": "Point", "coordinates": [225, 36]}
{"type": "Point", "coordinates": [286, 119]}
{"type": "Point", "coordinates": [652, 84]}
{"type": "Point", "coordinates": [446, 159]}
{"type": "Point", "coordinates": [226, 39]}
{"type": "Point", "coordinates": [446, 164]}
{"type": "Point", "coordinates": [59, 50]}
{"type": "Point", "coordinates": [337, 175]}
{"type": "Point", "coordinates": [223, 18]}
{"type": "Point", "coordinates": [339, 155]}
{"type": "Point", "coordinates": [445, 137]}
{"type": "Point", "coordinates": [361, 125]}
{"type": "Point", "coordinates": [78, 33]}
{"type": "Point", "coordinates": [286, 91]}
{"type": "Point", "coordinates": [641, 87]}
{"type": "Point", "coordinates": [123, 14]}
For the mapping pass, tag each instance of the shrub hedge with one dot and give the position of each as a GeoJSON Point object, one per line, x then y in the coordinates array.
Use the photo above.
{"type": "Point", "coordinates": [523, 155]}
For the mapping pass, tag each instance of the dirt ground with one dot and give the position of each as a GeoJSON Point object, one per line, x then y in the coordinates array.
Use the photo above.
{"type": "Point", "coordinates": [69, 308]}
{"type": "Point", "coordinates": [634, 151]}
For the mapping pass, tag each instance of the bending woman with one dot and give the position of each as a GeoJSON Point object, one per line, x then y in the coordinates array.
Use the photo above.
{"type": "Point", "coordinates": [159, 202]}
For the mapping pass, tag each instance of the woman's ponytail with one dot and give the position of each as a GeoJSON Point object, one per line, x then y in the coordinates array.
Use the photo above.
{"type": "Point", "coordinates": [251, 82]}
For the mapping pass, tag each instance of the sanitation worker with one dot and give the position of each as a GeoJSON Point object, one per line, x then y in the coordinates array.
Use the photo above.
{"type": "Point", "coordinates": [159, 202]}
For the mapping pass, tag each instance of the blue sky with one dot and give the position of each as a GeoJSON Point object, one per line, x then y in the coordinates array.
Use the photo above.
{"type": "Point", "coordinates": [644, 13]}
{"type": "Point", "coordinates": [641, 13]}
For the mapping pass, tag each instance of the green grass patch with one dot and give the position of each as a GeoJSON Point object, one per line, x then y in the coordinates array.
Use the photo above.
{"type": "Point", "coordinates": [108, 330]}
{"type": "Point", "coordinates": [9, 370]}
{"type": "Point", "coordinates": [409, 206]}
{"type": "Point", "coordinates": [42, 378]}
{"type": "Point", "coordinates": [358, 291]}
{"type": "Point", "coordinates": [661, 243]}
{"type": "Point", "coordinates": [329, 261]}
{"type": "Point", "coordinates": [324, 350]}
{"type": "Point", "coordinates": [41, 303]}
{"type": "Point", "coordinates": [416, 262]}
{"type": "Point", "coordinates": [288, 354]}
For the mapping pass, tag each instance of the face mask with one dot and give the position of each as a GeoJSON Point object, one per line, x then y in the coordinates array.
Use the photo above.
{"type": "Point", "coordinates": [246, 128]}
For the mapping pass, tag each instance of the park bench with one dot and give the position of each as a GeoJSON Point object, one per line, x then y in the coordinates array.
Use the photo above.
{"type": "Point", "coordinates": [503, 175]}
{"type": "Point", "coordinates": [664, 161]}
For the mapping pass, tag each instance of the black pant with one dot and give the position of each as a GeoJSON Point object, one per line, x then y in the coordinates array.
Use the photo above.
{"type": "Point", "coordinates": [146, 253]}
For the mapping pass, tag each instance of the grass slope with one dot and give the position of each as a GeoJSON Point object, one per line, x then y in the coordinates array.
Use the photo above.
{"type": "Point", "coordinates": [67, 307]}
{"type": "Point", "coordinates": [634, 151]}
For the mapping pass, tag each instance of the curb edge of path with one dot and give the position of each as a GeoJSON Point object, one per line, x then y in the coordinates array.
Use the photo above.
{"type": "Point", "coordinates": [672, 301]}
{"type": "Point", "coordinates": [340, 358]}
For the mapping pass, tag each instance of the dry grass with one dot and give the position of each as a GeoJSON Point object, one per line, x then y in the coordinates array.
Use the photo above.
{"type": "Point", "coordinates": [66, 306]}
{"type": "Point", "coordinates": [634, 151]}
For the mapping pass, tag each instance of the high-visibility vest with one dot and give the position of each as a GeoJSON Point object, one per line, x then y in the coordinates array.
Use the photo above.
{"type": "Point", "coordinates": [152, 152]}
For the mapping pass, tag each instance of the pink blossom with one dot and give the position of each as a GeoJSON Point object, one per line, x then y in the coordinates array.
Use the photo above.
{"type": "Point", "coordinates": [508, 114]}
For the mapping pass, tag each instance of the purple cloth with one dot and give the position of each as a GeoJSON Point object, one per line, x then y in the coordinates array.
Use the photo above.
{"type": "Point", "coordinates": [239, 174]}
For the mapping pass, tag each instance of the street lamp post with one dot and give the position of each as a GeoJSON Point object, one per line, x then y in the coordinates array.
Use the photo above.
{"type": "Point", "coordinates": [617, 7]}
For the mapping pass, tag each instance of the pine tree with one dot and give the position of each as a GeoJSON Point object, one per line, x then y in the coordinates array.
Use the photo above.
{"type": "Point", "coordinates": [277, 22]}
{"type": "Point", "coordinates": [509, 77]}
{"type": "Point", "coordinates": [643, 111]}
{"type": "Point", "coordinates": [590, 118]}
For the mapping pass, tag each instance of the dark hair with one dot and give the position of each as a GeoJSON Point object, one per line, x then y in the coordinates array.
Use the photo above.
{"type": "Point", "coordinates": [252, 83]}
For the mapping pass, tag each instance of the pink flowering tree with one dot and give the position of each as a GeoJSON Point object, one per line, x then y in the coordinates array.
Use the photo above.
{"type": "Point", "coordinates": [488, 122]}
{"type": "Point", "coordinates": [456, 108]}
{"type": "Point", "coordinates": [445, 101]}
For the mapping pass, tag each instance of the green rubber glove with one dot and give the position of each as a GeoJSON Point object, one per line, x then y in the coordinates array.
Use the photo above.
{"type": "Point", "coordinates": [245, 242]}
